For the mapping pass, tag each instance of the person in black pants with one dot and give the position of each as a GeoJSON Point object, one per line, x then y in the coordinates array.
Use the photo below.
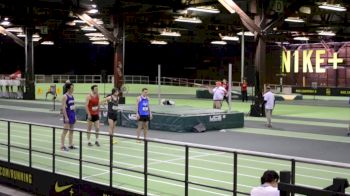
{"type": "Point", "coordinates": [244, 93]}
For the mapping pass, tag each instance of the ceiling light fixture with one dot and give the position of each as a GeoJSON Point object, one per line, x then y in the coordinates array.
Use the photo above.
{"type": "Point", "coordinates": [101, 43]}
{"type": "Point", "coordinates": [219, 42]}
{"type": "Point", "coordinates": [92, 11]}
{"type": "Point", "coordinates": [188, 19]}
{"type": "Point", "coordinates": [294, 19]}
{"type": "Point", "coordinates": [326, 33]}
{"type": "Point", "coordinates": [228, 4]}
{"type": "Point", "coordinates": [35, 39]}
{"type": "Point", "coordinates": [98, 39]}
{"type": "Point", "coordinates": [247, 33]}
{"type": "Point", "coordinates": [333, 7]}
{"type": "Point", "coordinates": [170, 33]}
{"type": "Point", "coordinates": [47, 43]}
{"type": "Point", "coordinates": [15, 29]}
{"type": "Point", "coordinates": [94, 34]}
{"type": "Point", "coordinates": [79, 21]}
{"type": "Point", "coordinates": [21, 35]}
{"type": "Point", "coordinates": [5, 23]}
{"type": "Point", "coordinates": [206, 9]}
{"type": "Point", "coordinates": [70, 23]}
{"type": "Point", "coordinates": [98, 21]}
{"type": "Point", "coordinates": [229, 38]}
{"type": "Point", "coordinates": [88, 28]}
{"type": "Point", "coordinates": [301, 38]}
{"type": "Point", "coordinates": [158, 42]}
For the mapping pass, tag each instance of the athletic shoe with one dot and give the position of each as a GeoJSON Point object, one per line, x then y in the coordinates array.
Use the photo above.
{"type": "Point", "coordinates": [72, 147]}
{"type": "Point", "coordinates": [63, 148]}
{"type": "Point", "coordinates": [90, 144]}
{"type": "Point", "coordinates": [97, 144]}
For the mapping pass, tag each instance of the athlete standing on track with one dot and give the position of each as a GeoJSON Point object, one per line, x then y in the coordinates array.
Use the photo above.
{"type": "Point", "coordinates": [112, 104]}
{"type": "Point", "coordinates": [92, 108]}
{"type": "Point", "coordinates": [144, 114]}
{"type": "Point", "coordinates": [69, 118]}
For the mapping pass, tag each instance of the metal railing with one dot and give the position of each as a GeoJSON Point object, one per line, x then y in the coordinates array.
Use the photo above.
{"type": "Point", "coordinates": [172, 81]}
{"type": "Point", "coordinates": [235, 153]}
{"type": "Point", "coordinates": [130, 79]}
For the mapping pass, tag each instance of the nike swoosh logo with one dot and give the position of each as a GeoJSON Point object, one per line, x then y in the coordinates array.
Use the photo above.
{"type": "Point", "coordinates": [61, 188]}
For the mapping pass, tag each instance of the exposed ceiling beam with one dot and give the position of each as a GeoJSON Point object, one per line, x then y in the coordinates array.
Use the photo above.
{"type": "Point", "coordinates": [103, 30]}
{"type": "Point", "coordinates": [12, 36]}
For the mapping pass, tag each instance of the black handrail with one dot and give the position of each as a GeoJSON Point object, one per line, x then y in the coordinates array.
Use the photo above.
{"type": "Point", "coordinates": [145, 172]}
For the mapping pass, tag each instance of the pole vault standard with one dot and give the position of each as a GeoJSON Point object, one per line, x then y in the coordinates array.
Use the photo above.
{"type": "Point", "coordinates": [229, 86]}
{"type": "Point", "coordinates": [159, 83]}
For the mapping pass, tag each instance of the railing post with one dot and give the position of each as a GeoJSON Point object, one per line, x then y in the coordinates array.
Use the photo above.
{"type": "Point", "coordinates": [186, 169]}
{"type": "Point", "coordinates": [111, 161]}
{"type": "Point", "coordinates": [234, 173]}
{"type": "Point", "coordinates": [292, 177]}
{"type": "Point", "coordinates": [285, 178]}
{"type": "Point", "coordinates": [8, 141]}
{"type": "Point", "coordinates": [53, 150]}
{"type": "Point", "coordinates": [145, 167]}
{"type": "Point", "coordinates": [30, 145]}
{"type": "Point", "coordinates": [80, 155]}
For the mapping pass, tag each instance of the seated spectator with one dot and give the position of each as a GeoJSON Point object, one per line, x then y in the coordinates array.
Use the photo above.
{"type": "Point", "coordinates": [268, 187]}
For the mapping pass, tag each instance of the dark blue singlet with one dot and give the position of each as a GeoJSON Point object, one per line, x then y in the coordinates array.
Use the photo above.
{"type": "Point", "coordinates": [70, 109]}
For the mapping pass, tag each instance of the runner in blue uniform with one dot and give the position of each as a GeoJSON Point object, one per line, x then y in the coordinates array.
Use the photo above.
{"type": "Point", "coordinates": [144, 114]}
{"type": "Point", "coordinates": [69, 118]}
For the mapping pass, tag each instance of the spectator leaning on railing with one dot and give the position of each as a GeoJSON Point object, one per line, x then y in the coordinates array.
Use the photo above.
{"type": "Point", "coordinates": [268, 187]}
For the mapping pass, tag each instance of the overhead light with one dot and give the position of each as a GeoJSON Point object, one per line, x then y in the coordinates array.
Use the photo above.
{"type": "Point", "coordinates": [98, 39]}
{"type": "Point", "coordinates": [188, 19]}
{"type": "Point", "coordinates": [93, 6]}
{"type": "Point", "coordinates": [157, 42]}
{"type": "Point", "coordinates": [219, 42]}
{"type": "Point", "coordinates": [247, 33]}
{"type": "Point", "coordinates": [15, 29]}
{"type": "Point", "coordinates": [305, 10]}
{"type": "Point", "coordinates": [79, 21]}
{"type": "Point", "coordinates": [94, 34]}
{"type": "Point", "coordinates": [282, 43]}
{"type": "Point", "coordinates": [334, 7]}
{"type": "Point", "coordinates": [98, 21]}
{"type": "Point", "coordinates": [170, 33]}
{"type": "Point", "coordinates": [47, 43]}
{"type": "Point", "coordinates": [326, 33]}
{"type": "Point", "coordinates": [228, 4]}
{"type": "Point", "coordinates": [71, 23]}
{"type": "Point", "coordinates": [301, 38]}
{"type": "Point", "coordinates": [5, 23]}
{"type": "Point", "coordinates": [230, 38]}
{"type": "Point", "coordinates": [206, 9]}
{"type": "Point", "coordinates": [21, 35]}
{"type": "Point", "coordinates": [35, 37]}
{"type": "Point", "coordinates": [101, 43]}
{"type": "Point", "coordinates": [92, 11]}
{"type": "Point", "coordinates": [88, 28]}
{"type": "Point", "coordinates": [294, 19]}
